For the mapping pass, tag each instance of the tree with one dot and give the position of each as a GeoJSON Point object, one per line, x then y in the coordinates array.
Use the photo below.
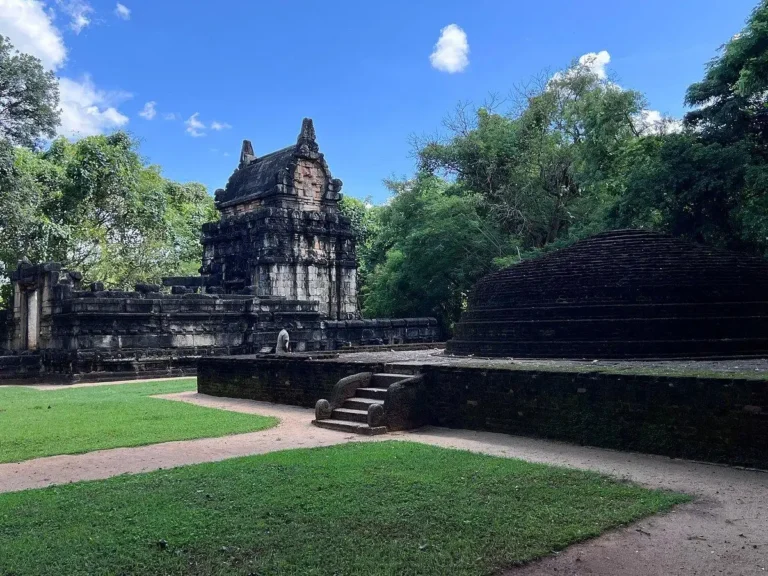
{"type": "Point", "coordinates": [365, 221]}
{"type": "Point", "coordinates": [687, 187]}
{"type": "Point", "coordinates": [541, 169]}
{"type": "Point", "coordinates": [94, 206]}
{"type": "Point", "coordinates": [29, 98]}
{"type": "Point", "coordinates": [711, 183]}
{"type": "Point", "coordinates": [731, 101]}
{"type": "Point", "coordinates": [433, 245]}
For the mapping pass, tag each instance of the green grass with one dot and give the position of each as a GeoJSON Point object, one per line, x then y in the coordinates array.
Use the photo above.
{"type": "Point", "coordinates": [363, 508]}
{"type": "Point", "coordinates": [35, 423]}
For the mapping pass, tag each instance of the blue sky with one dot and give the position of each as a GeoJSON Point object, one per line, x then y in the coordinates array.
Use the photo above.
{"type": "Point", "coordinates": [362, 70]}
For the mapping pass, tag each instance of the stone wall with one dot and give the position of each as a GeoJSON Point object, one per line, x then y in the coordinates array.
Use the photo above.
{"type": "Point", "coordinates": [147, 332]}
{"type": "Point", "coordinates": [301, 255]}
{"type": "Point", "coordinates": [297, 380]}
{"type": "Point", "coordinates": [18, 367]}
{"type": "Point", "coordinates": [5, 331]}
{"type": "Point", "coordinates": [713, 419]}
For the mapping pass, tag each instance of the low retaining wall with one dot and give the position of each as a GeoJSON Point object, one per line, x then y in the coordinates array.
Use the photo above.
{"type": "Point", "coordinates": [19, 366]}
{"type": "Point", "coordinates": [298, 380]}
{"type": "Point", "coordinates": [712, 419]}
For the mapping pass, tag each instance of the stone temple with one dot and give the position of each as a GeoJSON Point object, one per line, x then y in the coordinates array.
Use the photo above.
{"type": "Point", "coordinates": [621, 294]}
{"type": "Point", "coordinates": [281, 257]}
{"type": "Point", "coordinates": [280, 231]}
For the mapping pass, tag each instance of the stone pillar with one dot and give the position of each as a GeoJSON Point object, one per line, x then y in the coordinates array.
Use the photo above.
{"type": "Point", "coordinates": [32, 306]}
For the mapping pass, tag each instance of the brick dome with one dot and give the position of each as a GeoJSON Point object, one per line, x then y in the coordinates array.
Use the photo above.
{"type": "Point", "coordinates": [621, 294]}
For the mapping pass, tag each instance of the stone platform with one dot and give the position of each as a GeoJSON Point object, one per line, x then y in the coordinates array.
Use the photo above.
{"type": "Point", "coordinates": [714, 411]}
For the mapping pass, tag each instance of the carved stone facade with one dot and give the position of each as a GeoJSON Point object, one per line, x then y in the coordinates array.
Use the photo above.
{"type": "Point", "coordinates": [281, 233]}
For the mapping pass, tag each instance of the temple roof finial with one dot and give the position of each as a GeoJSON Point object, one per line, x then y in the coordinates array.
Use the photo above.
{"type": "Point", "coordinates": [307, 136]}
{"type": "Point", "coordinates": [246, 153]}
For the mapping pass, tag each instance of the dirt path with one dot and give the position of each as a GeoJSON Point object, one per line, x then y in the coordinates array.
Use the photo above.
{"type": "Point", "coordinates": [725, 531]}
{"type": "Point", "coordinates": [294, 431]}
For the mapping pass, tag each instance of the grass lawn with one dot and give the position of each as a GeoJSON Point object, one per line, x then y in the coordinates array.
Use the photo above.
{"type": "Point", "coordinates": [36, 423]}
{"type": "Point", "coordinates": [364, 508]}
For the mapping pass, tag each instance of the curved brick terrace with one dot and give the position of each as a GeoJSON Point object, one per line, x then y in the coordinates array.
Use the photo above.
{"type": "Point", "coordinates": [752, 368]}
{"type": "Point", "coordinates": [724, 531]}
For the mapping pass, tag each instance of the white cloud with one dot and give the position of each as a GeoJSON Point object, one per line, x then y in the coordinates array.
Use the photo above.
{"type": "Point", "coordinates": [593, 62]}
{"type": "Point", "coordinates": [148, 112]}
{"type": "Point", "coordinates": [86, 110]}
{"type": "Point", "coordinates": [31, 31]}
{"type": "Point", "coordinates": [78, 11]}
{"type": "Point", "coordinates": [596, 62]}
{"type": "Point", "coordinates": [451, 53]}
{"type": "Point", "coordinates": [219, 125]}
{"type": "Point", "coordinates": [194, 126]}
{"type": "Point", "coordinates": [169, 116]}
{"type": "Point", "coordinates": [122, 11]}
{"type": "Point", "coordinates": [649, 122]}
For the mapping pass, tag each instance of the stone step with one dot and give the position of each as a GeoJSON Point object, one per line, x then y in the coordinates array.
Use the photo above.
{"type": "Point", "coordinates": [357, 403]}
{"type": "Point", "coordinates": [375, 393]}
{"type": "Point", "coordinates": [384, 380]}
{"type": "Point", "coordinates": [350, 415]}
{"type": "Point", "coordinates": [353, 427]}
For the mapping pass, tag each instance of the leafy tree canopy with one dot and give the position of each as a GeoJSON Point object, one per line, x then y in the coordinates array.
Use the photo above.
{"type": "Point", "coordinates": [29, 98]}
{"type": "Point", "coordinates": [730, 101]}
{"type": "Point", "coordinates": [94, 206]}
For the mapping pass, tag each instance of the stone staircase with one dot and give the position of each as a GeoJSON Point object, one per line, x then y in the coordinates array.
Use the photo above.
{"type": "Point", "coordinates": [353, 414]}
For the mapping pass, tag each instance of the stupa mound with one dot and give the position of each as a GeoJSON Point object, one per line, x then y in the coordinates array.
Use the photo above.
{"type": "Point", "coordinates": [621, 294]}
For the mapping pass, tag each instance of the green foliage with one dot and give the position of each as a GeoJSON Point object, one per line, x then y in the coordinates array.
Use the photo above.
{"type": "Point", "coordinates": [533, 168]}
{"type": "Point", "coordinates": [38, 423]}
{"type": "Point", "coordinates": [29, 98]}
{"type": "Point", "coordinates": [370, 508]}
{"type": "Point", "coordinates": [94, 206]}
{"type": "Point", "coordinates": [432, 246]}
{"type": "Point", "coordinates": [365, 221]}
{"type": "Point", "coordinates": [687, 187]}
{"type": "Point", "coordinates": [730, 102]}
{"type": "Point", "coordinates": [518, 184]}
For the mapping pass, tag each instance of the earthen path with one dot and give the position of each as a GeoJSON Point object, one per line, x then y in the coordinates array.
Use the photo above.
{"type": "Point", "coordinates": [725, 531]}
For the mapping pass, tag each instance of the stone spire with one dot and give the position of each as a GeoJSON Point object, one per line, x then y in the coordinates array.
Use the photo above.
{"type": "Point", "coordinates": [246, 154]}
{"type": "Point", "coordinates": [306, 141]}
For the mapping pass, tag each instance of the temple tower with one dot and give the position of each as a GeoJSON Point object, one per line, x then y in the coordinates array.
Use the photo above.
{"type": "Point", "coordinates": [281, 233]}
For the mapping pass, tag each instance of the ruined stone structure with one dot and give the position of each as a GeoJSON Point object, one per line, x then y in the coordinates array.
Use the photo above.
{"type": "Point", "coordinates": [622, 294]}
{"type": "Point", "coordinates": [281, 257]}
{"type": "Point", "coordinates": [281, 232]}
{"type": "Point", "coordinates": [712, 416]}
